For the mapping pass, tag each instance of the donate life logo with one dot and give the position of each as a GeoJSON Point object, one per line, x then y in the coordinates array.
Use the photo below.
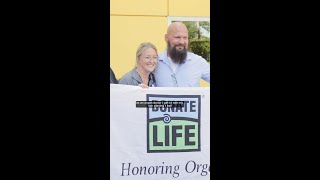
{"type": "Point", "coordinates": [174, 129]}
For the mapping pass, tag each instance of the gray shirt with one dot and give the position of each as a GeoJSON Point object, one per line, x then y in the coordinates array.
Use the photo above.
{"type": "Point", "coordinates": [133, 78]}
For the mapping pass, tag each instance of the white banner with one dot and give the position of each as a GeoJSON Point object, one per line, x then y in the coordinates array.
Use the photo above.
{"type": "Point", "coordinates": [165, 141]}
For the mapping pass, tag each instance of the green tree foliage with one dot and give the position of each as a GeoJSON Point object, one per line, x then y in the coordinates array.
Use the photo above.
{"type": "Point", "coordinates": [194, 31]}
{"type": "Point", "coordinates": [201, 48]}
{"type": "Point", "coordinates": [205, 25]}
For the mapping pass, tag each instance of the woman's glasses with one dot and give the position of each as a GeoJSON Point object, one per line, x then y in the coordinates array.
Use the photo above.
{"type": "Point", "coordinates": [148, 58]}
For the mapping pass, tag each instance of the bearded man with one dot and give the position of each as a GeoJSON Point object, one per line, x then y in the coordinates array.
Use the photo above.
{"type": "Point", "coordinates": [177, 67]}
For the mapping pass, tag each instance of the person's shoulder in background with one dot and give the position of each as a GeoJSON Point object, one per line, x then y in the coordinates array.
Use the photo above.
{"type": "Point", "coordinates": [113, 79]}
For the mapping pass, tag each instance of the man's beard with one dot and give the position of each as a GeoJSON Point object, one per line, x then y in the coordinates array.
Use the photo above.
{"type": "Point", "coordinates": [176, 55]}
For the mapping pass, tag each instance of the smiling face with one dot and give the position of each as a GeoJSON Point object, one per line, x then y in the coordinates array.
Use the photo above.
{"type": "Point", "coordinates": [177, 41]}
{"type": "Point", "coordinates": [177, 37]}
{"type": "Point", "coordinates": [148, 60]}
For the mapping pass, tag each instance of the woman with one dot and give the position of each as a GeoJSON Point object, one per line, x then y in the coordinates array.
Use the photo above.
{"type": "Point", "coordinates": [146, 61]}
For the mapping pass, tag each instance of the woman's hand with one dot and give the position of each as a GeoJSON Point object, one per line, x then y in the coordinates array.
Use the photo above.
{"type": "Point", "coordinates": [143, 86]}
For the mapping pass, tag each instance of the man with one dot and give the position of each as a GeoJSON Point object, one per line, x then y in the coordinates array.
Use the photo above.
{"type": "Point", "coordinates": [113, 79]}
{"type": "Point", "coordinates": [176, 66]}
